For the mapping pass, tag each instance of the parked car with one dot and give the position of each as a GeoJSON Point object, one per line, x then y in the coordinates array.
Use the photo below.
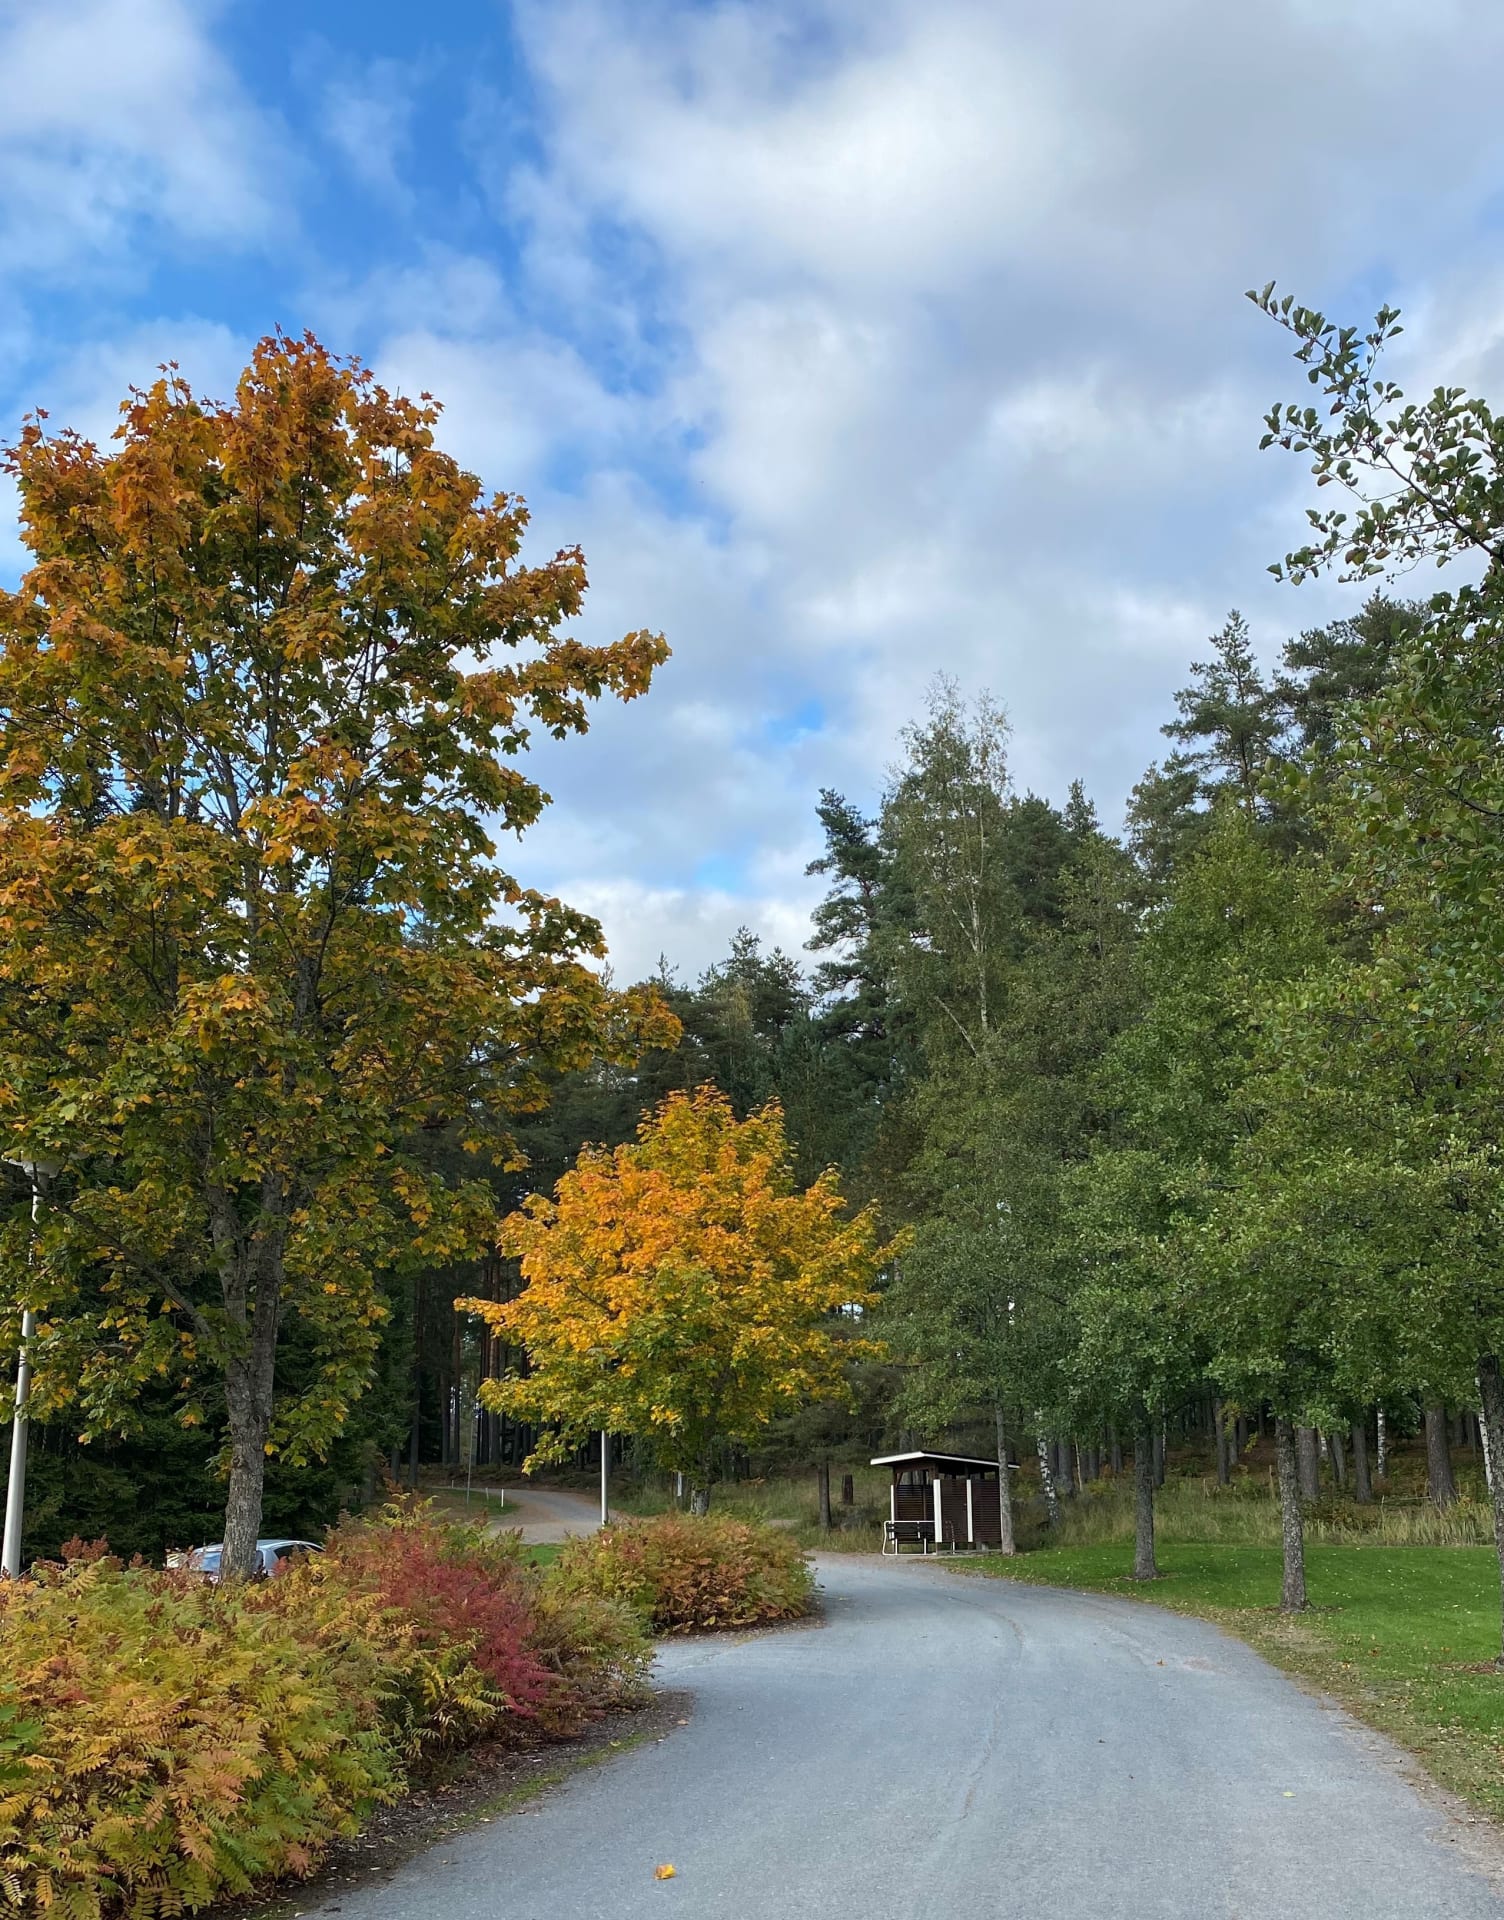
{"type": "Point", "coordinates": [271, 1556]}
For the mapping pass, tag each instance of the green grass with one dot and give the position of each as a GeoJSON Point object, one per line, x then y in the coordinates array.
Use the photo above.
{"type": "Point", "coordinates": [1393, 1633]}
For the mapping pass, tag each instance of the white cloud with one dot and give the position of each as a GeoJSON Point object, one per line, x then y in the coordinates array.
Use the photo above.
{"type": "Point", "coordinates": [119, 115]}
{"type": "Point", "coordinates": [367, 118]}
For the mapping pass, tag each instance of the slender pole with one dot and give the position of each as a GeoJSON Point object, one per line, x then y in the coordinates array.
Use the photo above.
{"type": "Point", "coordinates": [605, 1479]}
{"type": "Point", "coordinates": [15, 1489]}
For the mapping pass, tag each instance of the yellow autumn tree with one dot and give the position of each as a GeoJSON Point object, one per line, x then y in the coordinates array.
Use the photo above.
{"type": "Point", "coordinates": [682, 1288]}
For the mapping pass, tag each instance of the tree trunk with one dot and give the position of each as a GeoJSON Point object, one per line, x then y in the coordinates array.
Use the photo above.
{"type": "Point", "coordinates": [1381, 1457]}
{"type": "Point", "coordinates": [1159, 1451]}
{"type": "Point", "coordinates": [1065, 1480]}
{"type": "Point", "coordinates": [848, 1490]}
{"type": "Point", "coordinates": [1116, 1445]}
{"type": "Point", "coordinates": [1219, 1434]}
{"type": "Point", "coordinates": [1307, 1462]}
{"type": "Point", "coordinates": [1144, 1566]}
{"type": "Point", "coordinates": [1339, 1460]}
{"type": "Point", "coordinates": [1491, 1396]}
{"type": "Point", "coordinates": [1292, 1597]}
{"type": "Point", "coordinates": [699, 1493]}
{"type": "Point", "coordinates": [1362, 1485]}
{"type": "Point", "coordinates": [824, 1481]}
{"type": "Point", "coordinates": [249, 1423]}
{"type": "Point", "coordinates": [1006, 1542]}
{"type": "Point", "coordinates": [1047, 1480]}
{"type": "Point", "coordinates": [1441, 1487]}
{"type": "Point", "coordinates": [251, 1281]}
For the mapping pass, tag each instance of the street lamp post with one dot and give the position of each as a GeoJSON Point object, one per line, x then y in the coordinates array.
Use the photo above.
{"type": "Point", "coordinates": [15, 1489]}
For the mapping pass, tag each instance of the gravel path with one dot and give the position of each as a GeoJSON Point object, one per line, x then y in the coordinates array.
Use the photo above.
{"type": "Point", "coordinates": [971, 1750]}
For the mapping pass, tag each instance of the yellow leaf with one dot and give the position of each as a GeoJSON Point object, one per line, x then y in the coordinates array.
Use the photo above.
{"type": "Point", "coordinates": [665, 1872]}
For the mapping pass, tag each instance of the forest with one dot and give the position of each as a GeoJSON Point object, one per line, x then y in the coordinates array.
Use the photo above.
{"type": "Point", "coordinates": [1180, 1136]}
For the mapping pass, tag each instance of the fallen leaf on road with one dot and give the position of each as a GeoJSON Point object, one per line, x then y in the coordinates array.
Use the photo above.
{"type": "Point", "coordinates": [665, 1872]}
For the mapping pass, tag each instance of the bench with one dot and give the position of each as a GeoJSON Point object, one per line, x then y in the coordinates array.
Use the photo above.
{"type": "Point", "coordinates": [900, 1533]}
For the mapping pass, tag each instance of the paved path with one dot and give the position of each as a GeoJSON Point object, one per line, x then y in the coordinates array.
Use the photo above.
{"type": "Point", "coordinates": [544, 1516]}
{"type": "Point", "coordinates": [965, 1749]}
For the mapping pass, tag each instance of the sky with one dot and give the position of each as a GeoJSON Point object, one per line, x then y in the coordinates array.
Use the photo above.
{"type": "Point", "coordinates": [854, 340]}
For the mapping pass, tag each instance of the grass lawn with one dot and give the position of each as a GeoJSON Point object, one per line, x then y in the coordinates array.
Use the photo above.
{"type": "Point", "coordinates": [1393, 1632]}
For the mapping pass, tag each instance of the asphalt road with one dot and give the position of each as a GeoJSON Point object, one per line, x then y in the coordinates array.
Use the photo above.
{"type": "Point", "coordinates": [962, 1748]}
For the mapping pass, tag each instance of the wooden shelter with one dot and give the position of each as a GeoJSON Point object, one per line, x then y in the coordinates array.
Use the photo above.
{"type": "Point", "coordinates": [941, 1500]}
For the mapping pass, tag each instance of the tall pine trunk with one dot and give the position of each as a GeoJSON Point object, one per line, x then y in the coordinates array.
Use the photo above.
{"type": "Point", "coordinates": [1065, 1479]}
{"type": "Point", "coordinates": [824, 1484]}
{"type": "Point", "coordinates": [1004, 1490]}
{"type": "Point", "coordinates": [1362, 1485]}
{"type": "Point", "coordinates": [1441, 1485]}
{"type": "Point", "coordinates": [1219, 1424]}
{"type": "Point", "coordinates": [1292, 1597]}
{"type": "Point", "coordinates": [1144, 1565]}
{"type": "Point", "coordinates": [1339, 1460]}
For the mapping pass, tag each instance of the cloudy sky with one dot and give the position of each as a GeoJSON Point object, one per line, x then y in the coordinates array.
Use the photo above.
{"type": "Point", "coordinates": [853, 339]}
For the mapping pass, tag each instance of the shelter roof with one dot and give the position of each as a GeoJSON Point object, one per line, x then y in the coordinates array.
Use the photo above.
{"type": "Point", "coordinates": [947, 1462]}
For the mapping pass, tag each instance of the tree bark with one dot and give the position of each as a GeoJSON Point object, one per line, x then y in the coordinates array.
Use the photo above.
{"type": "Point", "coordinates": [251, 1283]}
{"type": "Point", "coordinates": [1491, 1398]}
{"type": "Point", "coordinates": [1144, 1565]}
{"type": "Point", "coordinates": [1307, 1462]}
{"type": "Point", "coordinates": [1441, 1486]}
{"type": "Point", "coordinates": [1116, 1444]}
{"type": "Point", "coordinates": [1006, 1543]}
{"type": "Point", "coordinates": [1362, 1485]}
{"type": "Point", "coordinates": [699, 1492]}
{"type": "Point", "coordinates": [824, 1483]}
{"type": "Point", "coordinates": [1047, 1480]}
{"type": "Point", "coordinates": [1065, 1479]}
{"type": "Point", "coordinates": [1292, 1597]}
{"type": "Point", "coordinates": [1381, 1457]}
{"type": "Point", "coordinates": [1219, 1434]}
{"type": "Point", "coordinates": [1157, 1452]}
{"type": "Point", "coordinates": [1339, 1460]}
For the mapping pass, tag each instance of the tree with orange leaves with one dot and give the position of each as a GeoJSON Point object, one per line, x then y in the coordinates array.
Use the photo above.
{"type": "Point", "coordinates": [682, 1288]}
{"type": "Point", "coordinates": [262, 697]}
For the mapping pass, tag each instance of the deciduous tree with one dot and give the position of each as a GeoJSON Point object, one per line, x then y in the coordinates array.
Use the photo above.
{"type": "Point", "coordinates": [262, 694]}
{"type": "Point", "coordinates": [681, 1288]}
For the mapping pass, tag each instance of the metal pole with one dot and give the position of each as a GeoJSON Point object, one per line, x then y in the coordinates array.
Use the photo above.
{"type": "Point", "coordinates": [15, 1489]}
{"type": "Point", "coordinates": [605, 1479]}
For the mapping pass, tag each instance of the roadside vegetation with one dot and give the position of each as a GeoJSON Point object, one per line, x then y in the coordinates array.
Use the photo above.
{"type": "Point", "coordinates": [685, 1573]}
{"type": "Point", "coordinates": [166, 1740]}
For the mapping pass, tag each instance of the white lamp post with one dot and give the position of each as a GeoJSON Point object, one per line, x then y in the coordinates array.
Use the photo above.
{"type": "Point", "coordinates": [36, 1172]}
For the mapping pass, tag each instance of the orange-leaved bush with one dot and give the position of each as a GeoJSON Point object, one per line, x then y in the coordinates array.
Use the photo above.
{"type": "Point", "coordinates": [686, 1572]}
{"type": "Point", "coordinates": [164, 1741]}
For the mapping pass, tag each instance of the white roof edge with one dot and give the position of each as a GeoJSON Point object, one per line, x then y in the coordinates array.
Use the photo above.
{"type": "Point", "coordinates": [924, 1453]}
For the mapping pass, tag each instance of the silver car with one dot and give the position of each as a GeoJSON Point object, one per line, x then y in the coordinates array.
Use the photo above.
{"type": "Point", "coordinates": [271, 1557]}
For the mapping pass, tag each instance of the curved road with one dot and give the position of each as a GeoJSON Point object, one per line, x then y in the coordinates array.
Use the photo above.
{"type": "Point", "coordinates": [968, 1749]}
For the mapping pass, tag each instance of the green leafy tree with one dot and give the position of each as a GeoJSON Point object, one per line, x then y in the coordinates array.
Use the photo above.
{"type": "Point", "coordinates": [262, 694]}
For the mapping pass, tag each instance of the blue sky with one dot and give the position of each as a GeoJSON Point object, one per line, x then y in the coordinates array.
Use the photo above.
{"type": "Point", "coordinates": [853, 339]}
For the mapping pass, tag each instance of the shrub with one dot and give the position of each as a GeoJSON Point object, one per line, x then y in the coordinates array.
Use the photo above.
{"type": "Point", "coordinates": [163, 1740]}
{"type": "Point", "coordinates": [682, 1573]}
{"type": "Point", "coordinates": [485, 1647]}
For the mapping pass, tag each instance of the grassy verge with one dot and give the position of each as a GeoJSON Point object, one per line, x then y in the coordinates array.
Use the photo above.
{"type": "Point", "coordinates": [1397, 1634]}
